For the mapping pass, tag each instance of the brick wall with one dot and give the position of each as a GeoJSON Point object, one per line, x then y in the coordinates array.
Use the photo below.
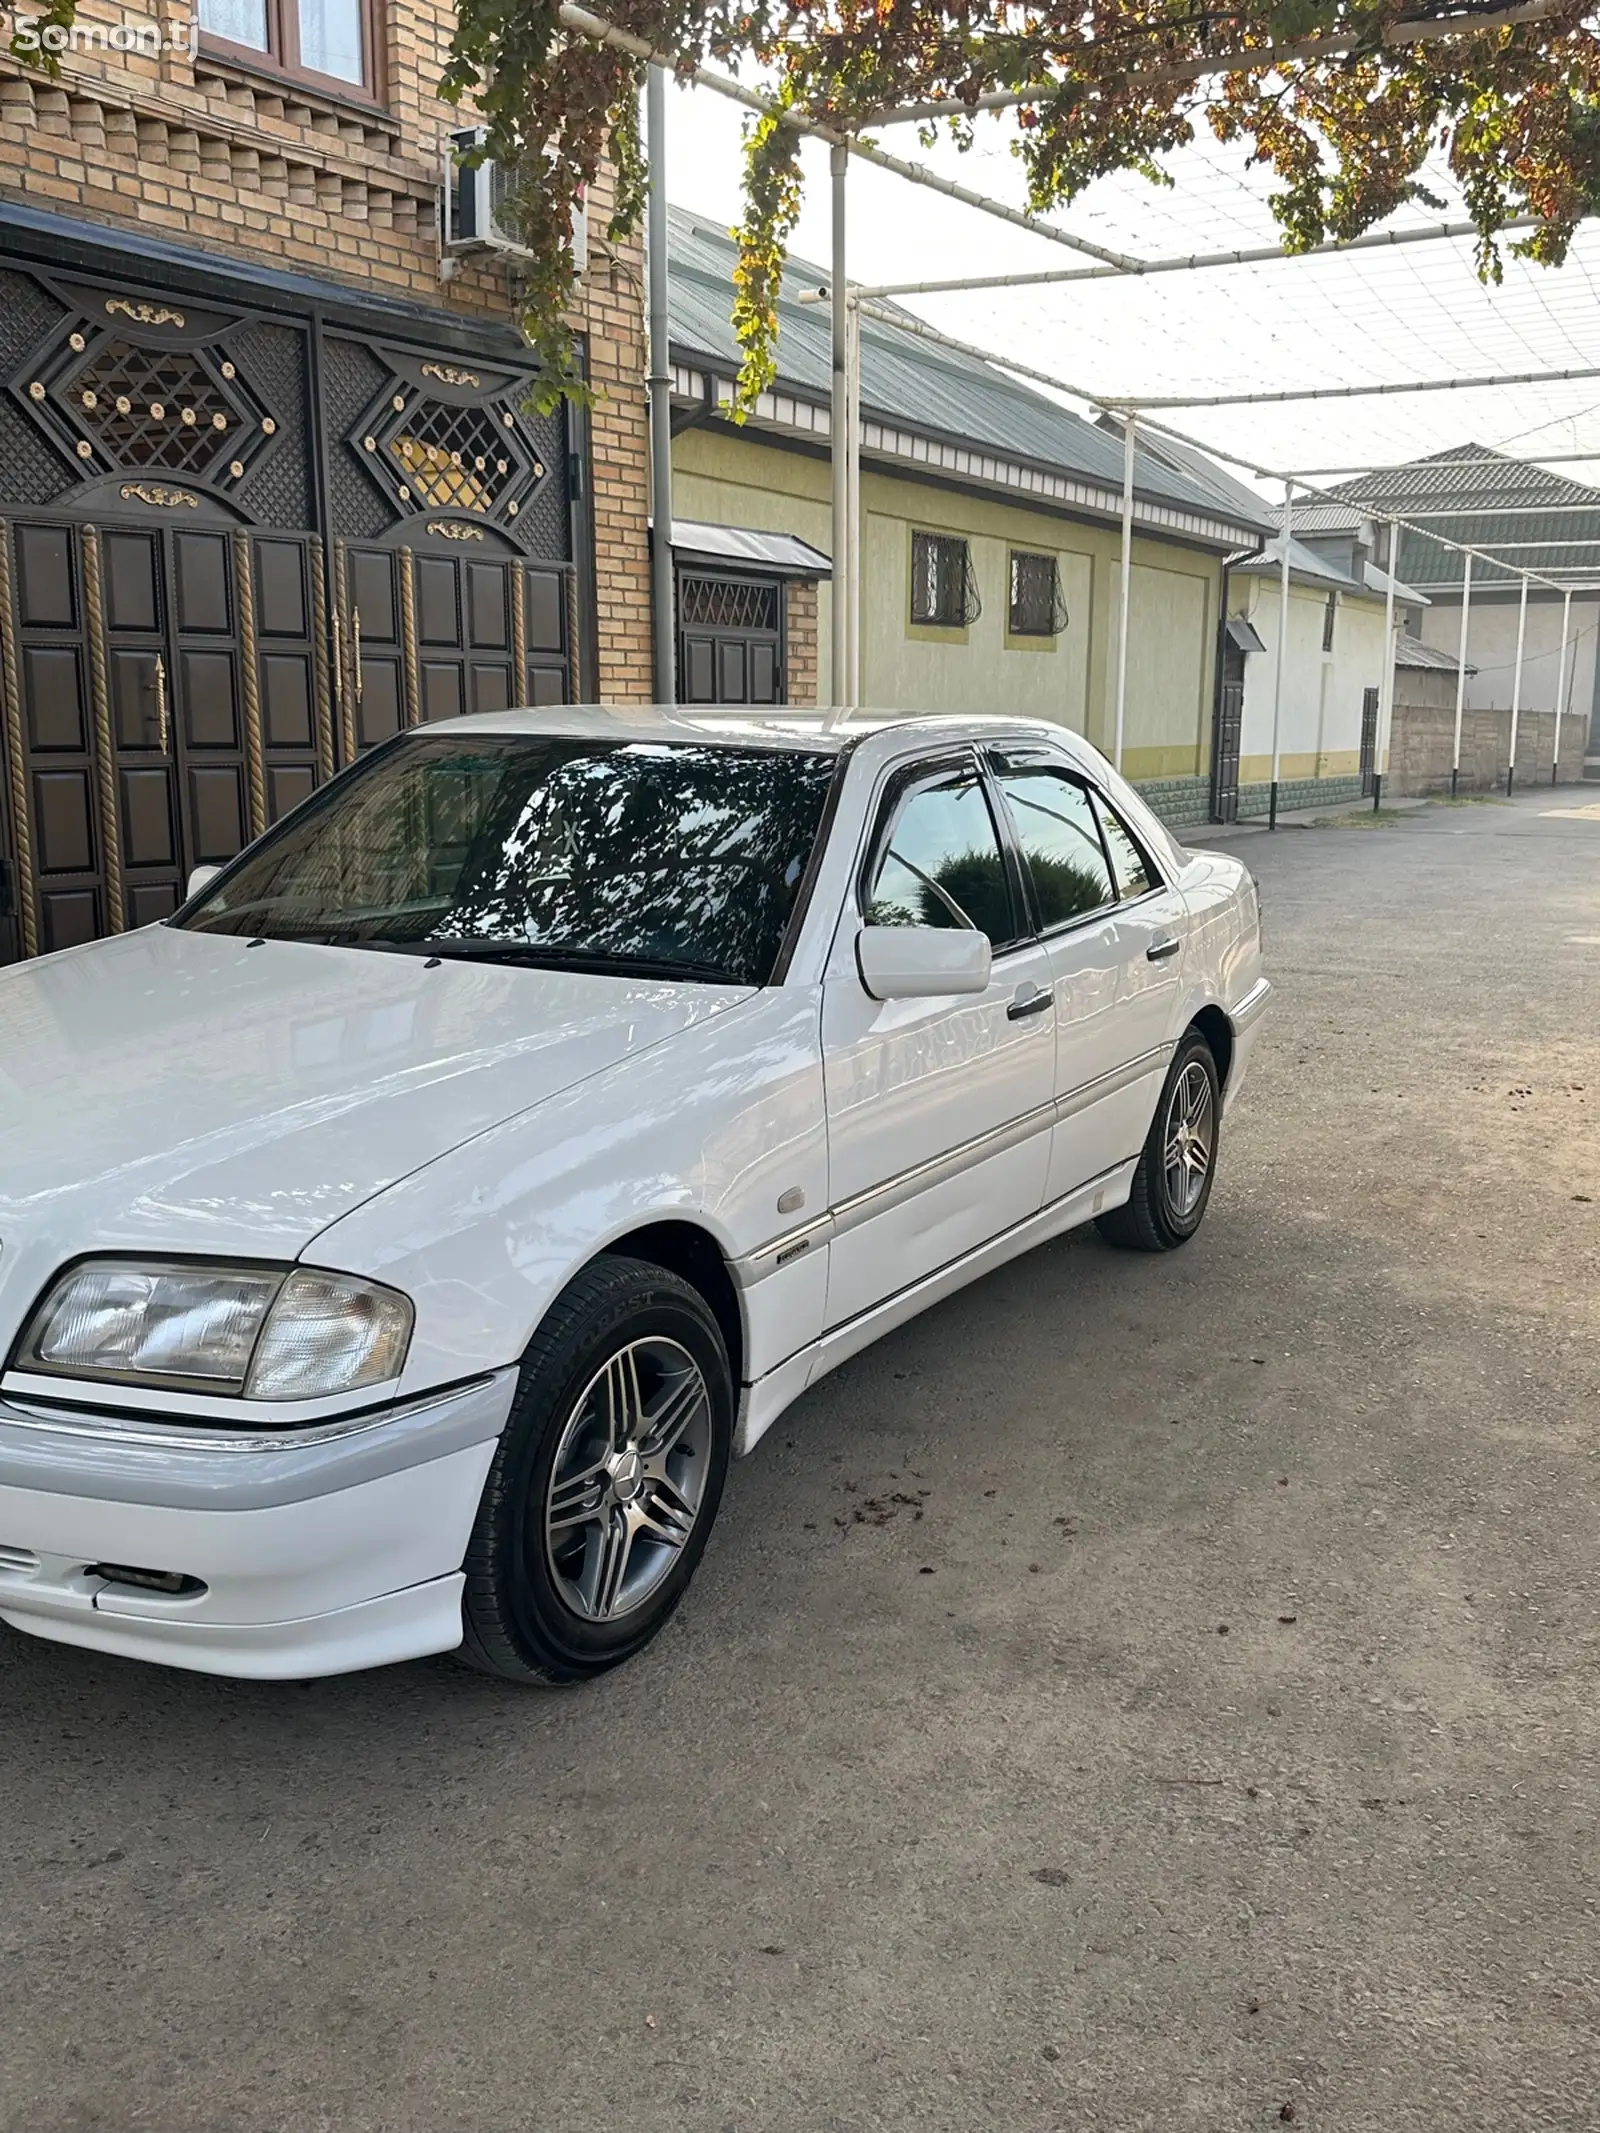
{"type": "Point", "coordinates": [196, 149]}
{"type": "Point", "coordinates": [801, 634]}
{"type": "Point", "coordinates": [1422, 743]}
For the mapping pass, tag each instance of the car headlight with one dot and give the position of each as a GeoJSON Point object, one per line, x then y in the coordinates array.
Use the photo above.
{"type": "Point", "coordinates": [260, 1333]}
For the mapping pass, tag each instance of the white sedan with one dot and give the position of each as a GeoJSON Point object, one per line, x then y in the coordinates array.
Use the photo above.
{"type": "Point", "coordinates": [396, 1244]}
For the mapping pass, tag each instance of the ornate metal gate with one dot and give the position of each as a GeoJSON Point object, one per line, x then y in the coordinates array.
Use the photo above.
{"type": "Point", "coordinates": [218, 585]}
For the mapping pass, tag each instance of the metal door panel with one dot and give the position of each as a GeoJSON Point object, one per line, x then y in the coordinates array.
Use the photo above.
{"type": "Point", "coordinates": [63, 814]}
{"type": "Point", "coordinates": [202, 573]}
{"type": "Point", "coordinates": [209, 696]}
{"type": "Point", "coordinates": [441, 690]}
{"type": "Point", "coordinates": [286, 699]}
{"type": "Point", "coordinates": [149, 904]}
{"type": "Point", "coordinates": [133, 581]}
{"type": "Point", "coordinates": [548, 685]}
{"type": "Point", "coordinates": [52, 692]}
{"type": "Point", "coordinates": [281, 609]}
{"type": "Point", "coordinates": [488, 608]}
{"type": "Point", "coordinates": [547, 599]}
{"type": "Point", "coordinates": [287, 788]}
{"type": "Point", "coordinates": [71, 917]}
{"type": "Point", "coordinates": [372, 591]}
{"type": "Point", "coordinates": [216, 814]}
{"type": "Point", "coordinates": [438, 605]}
{"type": "Point", "coordinates": [46, 580]}
{"type": "Point", "coordinates": [491, 687]}
{"type": "Point", "coordinates": [378, 712]}
{"type": "Point", "coordinates": [135, 704]}
{"type": "Point", "coordinates": [147, 839]}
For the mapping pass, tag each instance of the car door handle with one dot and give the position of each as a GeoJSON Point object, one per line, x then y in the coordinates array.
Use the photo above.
{"type": "Point", "coordinates": [1158, 951]}
{"type": "Point", "coordinates": [1030, 1000]}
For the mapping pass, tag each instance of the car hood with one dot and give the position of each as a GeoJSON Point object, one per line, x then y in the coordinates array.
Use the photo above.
{"type": "Point", "coordinates": [186, 1092]}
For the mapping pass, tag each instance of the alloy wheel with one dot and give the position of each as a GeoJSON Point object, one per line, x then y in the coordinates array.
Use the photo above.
{"type": "Point", "coordinates": [1189, 1139]}
{"type": "Point", "coordinates": [629, 1478]}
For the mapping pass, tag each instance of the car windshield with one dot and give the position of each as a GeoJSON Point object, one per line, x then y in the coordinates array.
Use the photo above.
{"type": "Point", "coordinates": [678, 859]}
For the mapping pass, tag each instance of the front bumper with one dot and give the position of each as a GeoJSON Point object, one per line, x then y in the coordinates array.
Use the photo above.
{"type": "Point", "coordinates": [312, 1551]}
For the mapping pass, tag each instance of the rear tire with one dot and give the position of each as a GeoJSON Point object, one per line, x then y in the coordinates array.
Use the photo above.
{"type": "Point", "coordinates": [1172, 1184]}
{"type": "Point", "coordinates": [605, 1482]}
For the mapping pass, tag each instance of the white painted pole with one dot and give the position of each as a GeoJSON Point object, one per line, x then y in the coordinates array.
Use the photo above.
{"type": "Point", "coordinates": [1386, 675]}
{"type": "Point", "coordinates": [1283, 647]}
{"type": "Point", "coordinates": [1130, 429]}
{"type": "Point", "coordinates": [838, 447]}
{"type": "Point", "coordinates": [1561, 685]}
{"type": "Point", "coordinates": [1461, 673]}
{"type": "Point", "coordinates": [1516, 685]}
{"type": "Point", "coordinates": [852, 435]}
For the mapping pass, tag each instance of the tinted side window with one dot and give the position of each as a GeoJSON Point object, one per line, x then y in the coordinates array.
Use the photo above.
{"type": "Point", "coordinates": [942, 864]}
{"type": "Point", "coordinates": [1134, 877]}
{"type": "Point", "coordinates": [1055, 825]}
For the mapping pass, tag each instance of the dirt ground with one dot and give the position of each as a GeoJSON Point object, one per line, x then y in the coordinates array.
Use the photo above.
{"type": "Point", "coordinates": [1145, 1693]}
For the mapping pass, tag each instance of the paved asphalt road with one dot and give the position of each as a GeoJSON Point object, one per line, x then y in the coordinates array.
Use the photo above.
{"type": "Point", "coordinates": [1147, 1693]}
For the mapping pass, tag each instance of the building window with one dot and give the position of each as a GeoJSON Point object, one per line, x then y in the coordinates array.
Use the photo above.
{"type": "Point", "coordinates": [326, 40]}
{"type": "Point", "coordinates": [1037, 607]}
{"type": "Point", "coordinates": [1328, 614]}
{"type": "Point", "coordinates": [944, 591]}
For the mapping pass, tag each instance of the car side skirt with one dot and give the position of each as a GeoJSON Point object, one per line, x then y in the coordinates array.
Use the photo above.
{"type": "Point", "coordinates": [763, 1402]}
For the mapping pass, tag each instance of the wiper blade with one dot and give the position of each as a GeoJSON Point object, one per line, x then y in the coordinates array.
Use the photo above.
{"type": "Point", "coordinates": [532, 955]}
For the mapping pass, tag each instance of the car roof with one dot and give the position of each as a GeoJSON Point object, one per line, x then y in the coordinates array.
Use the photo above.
{"type": "Point", "coordinates": [781, 727]}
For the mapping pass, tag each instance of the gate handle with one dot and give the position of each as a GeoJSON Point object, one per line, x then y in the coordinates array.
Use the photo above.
{"type": "Point", "coordinates": [355, 633]}
{"type": "Point", "coordinates": [160, 687]}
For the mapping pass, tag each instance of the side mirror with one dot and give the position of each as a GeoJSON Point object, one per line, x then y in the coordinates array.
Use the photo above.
{"type": "Point", "coordinates": [922, 962]}
{"type": "Point", "coordinates": [199, 878]}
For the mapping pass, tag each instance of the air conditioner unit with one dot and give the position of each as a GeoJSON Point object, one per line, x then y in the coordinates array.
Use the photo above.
{"type": "Point", "coordinates": [474, 197]}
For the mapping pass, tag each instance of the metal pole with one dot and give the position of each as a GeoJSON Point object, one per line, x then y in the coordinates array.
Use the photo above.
{"type": "Point", "coordinates": [1283, 646]}
{"type": "Point", "coordinates": [837, 444]}
{"type": "Point", "coordinates": [1516, 685]}
{"type": "Point", "coordinates": [1461, 673]}
{"type": "Point", "coordinates": [1129, 440]}
{"type": "Point", "coordinates": [1386, 675]}
{"type": "Point", "coordinates": [852, 433]}
{"type": "Point", "coordinates": [664, 620]}
{"type": "Point", "coordinates": [1561, 686]}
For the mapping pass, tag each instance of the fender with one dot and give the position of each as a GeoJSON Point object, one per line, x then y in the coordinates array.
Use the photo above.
{"type": "Point", "coordinates": [714, 1126]}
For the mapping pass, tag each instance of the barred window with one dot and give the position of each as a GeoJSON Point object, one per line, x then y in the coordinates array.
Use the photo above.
{"type": "Point", "coordinates": [1037, 607]}
{"type": "Point", "coordinates": [944, 591]}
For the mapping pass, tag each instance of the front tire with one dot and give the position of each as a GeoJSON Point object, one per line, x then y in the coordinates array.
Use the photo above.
{"type": "Point", "coordinates": [606, 1480]}
{"type": "Point", "coordinates": [1173, 1181]}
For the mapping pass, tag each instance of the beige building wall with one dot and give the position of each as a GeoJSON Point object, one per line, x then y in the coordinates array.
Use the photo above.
{"type": "Point", "coordinates": [1319, 726]}
{"type": "Point", "coordinates": [740, 480]}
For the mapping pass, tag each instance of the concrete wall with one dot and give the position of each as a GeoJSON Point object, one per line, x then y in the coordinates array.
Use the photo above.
{"type": "Point", "coordinates": [1320, 720]}
{"type": "Point", "coordinates": [738, 479]}
{"type": "Point", "coordinates": [1492, 649]}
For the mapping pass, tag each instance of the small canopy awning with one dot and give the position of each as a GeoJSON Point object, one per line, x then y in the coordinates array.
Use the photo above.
{"type": "Point", "coordinates": [747, 548]}
{"type": "Point", "coordinates": [1242, 635]}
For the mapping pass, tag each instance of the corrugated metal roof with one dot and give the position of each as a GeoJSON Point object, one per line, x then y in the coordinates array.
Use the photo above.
{"type": "Point", "coordinates": [916, 383]}
{"type": "Point", "coordinates": [748, 544]}
{"type": "Point", "coordinates": [1514, 501]}
{"type": "Point", "coordinates": [1412, 652]}
{"type": "Point", "coordinates": [1306, 567]}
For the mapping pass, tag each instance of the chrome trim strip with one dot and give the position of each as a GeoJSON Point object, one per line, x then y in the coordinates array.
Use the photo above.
{"type": "Point", "coordinates": [936, 1169]}
{"type": "Point", "coordinates": [1251, 1006]}
{"type": "Point", "coordinates": [186, 1469]}
{"type": "Point", "coordinates": [81, 1424]}
{"type": "Point", "coordinates": [849, 1214]}
{"type": "Point", "coordinates": [1122, 1077]}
